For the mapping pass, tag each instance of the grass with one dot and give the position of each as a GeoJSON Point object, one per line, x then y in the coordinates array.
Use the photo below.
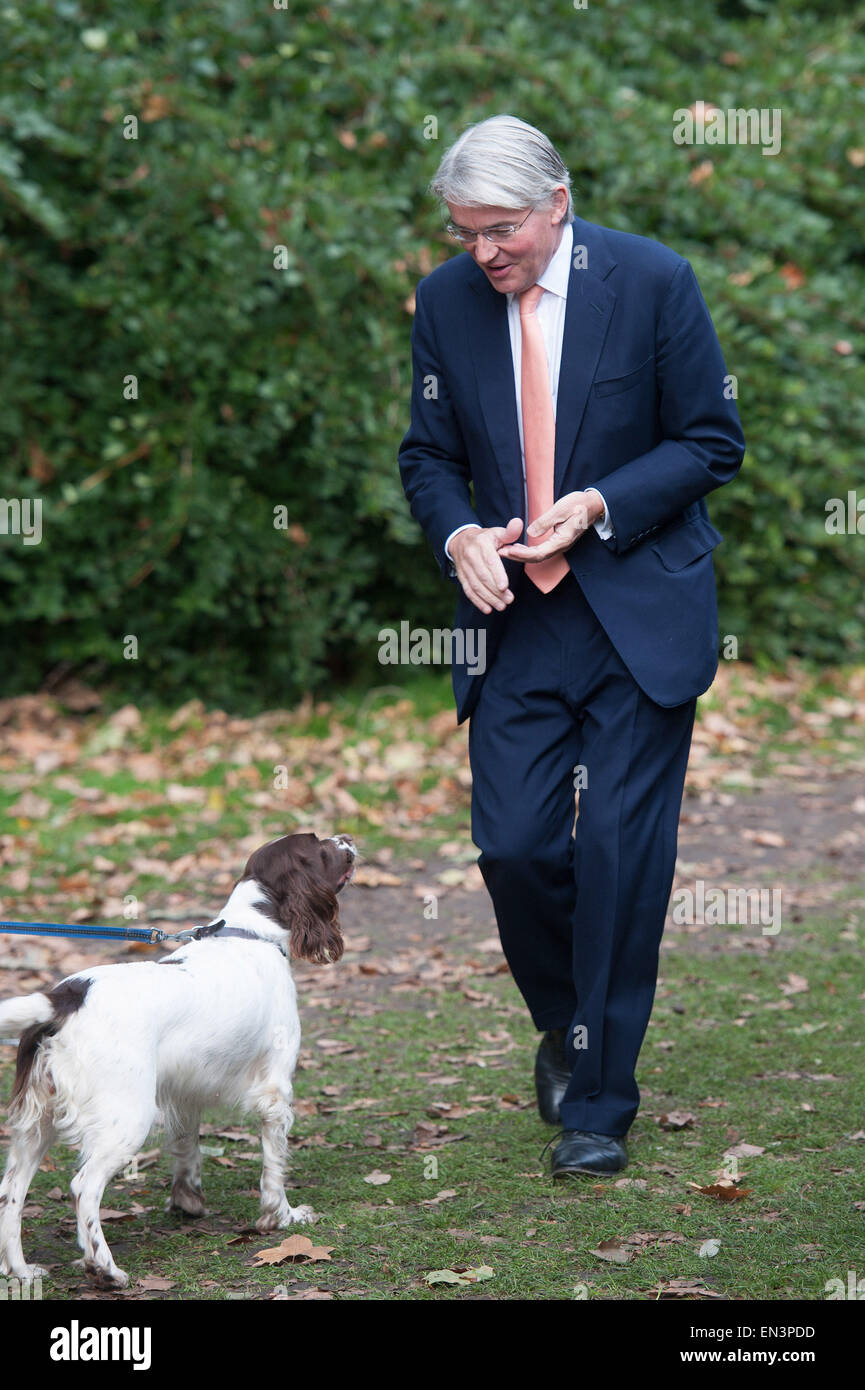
{"type": "Point", "coordinates": [719, 1047]}
{"type": "Point", "coordinates": [733, 1041]}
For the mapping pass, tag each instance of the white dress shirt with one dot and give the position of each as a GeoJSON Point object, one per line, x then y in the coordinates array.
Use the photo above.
{"type": "Point", "coordinates": [551, 317]}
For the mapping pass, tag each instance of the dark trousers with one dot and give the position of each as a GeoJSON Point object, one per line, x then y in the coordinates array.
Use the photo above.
{"type": "Point", "coordinates": [580, 909]}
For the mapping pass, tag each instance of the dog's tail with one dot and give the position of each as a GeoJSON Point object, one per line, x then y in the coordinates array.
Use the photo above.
{"type": "Point", "coordinates": [31, 1019]}
{"type": "Point", "coordinates": [35, 1019]}
{"type": "Point", "coordinates": [23, 1012]}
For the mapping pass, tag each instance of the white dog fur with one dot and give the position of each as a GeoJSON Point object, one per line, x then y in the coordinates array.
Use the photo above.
{"type": "Point", "coordinates": [115, 1049]}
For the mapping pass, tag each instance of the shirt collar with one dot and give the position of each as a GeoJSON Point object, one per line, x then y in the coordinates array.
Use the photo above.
{"type": "Point", "coordinates": [558, 273]}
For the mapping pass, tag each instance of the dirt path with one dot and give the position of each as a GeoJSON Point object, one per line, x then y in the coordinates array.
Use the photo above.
{"type": "Point", "coordinates": [802, 838]}
{"type": "Point", "coordinates": [410, 922]}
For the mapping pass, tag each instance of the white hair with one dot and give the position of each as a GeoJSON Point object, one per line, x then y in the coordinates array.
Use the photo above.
{"type": "Point", "coordinates": [502, 162]}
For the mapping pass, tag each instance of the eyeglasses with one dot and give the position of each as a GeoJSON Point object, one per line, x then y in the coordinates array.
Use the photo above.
{"type": "Point", "coordinates": [494, 234]}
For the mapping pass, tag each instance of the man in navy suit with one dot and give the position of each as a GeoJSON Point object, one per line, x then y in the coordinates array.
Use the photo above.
{"type": "Point", "coordinates": [590, 680]}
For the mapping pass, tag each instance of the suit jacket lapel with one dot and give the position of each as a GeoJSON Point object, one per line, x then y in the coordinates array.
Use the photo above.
{"type": "Point", "coordinates": [588, 316]}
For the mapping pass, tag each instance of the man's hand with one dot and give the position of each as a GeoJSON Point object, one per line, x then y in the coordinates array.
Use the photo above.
{"type": "Point", "coordinates": [479, 570]}
{"type": "Point", "coordinates": [566, 521]}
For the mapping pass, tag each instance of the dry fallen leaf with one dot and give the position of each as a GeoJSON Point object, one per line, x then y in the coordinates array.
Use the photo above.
{"type": "Point", "coordinates": [453, 1112]}
{"type": "Point", "coordinates": [612, 1251]}
{"type": "Point", "coordinates": [439, 1197]}
{"type": "Point", "coordinates": [765, 837]}
{"type": "Point", "coordinates": [794, 984]}
{"type": "Point", "coordinates": [684, 1288]}
{"type": "Point", "coordinates": [303, 1295]}
{"type": "Point", "coordinates": [357, 943]}
{"type": "Point", "coordinates": [367, 876]}
{"type": "Point", "coordinates": [377, 1178]}
{"type": "Point", "coordinates": [643, 1240]}
{"type": "Point", "coordinates": [744, 1151]}
{"type": "Point", "coordinates": [725, 1190]}
{"type": "Point", "coordinates": [460, 1276]}
{"type": "Point", "coordinates": [294, 1248]}
{"type": "Point", "coordinates": [676, 1119]}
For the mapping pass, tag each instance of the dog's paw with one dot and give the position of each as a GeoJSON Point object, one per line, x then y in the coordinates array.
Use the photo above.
{"type": "Point", "coordinates": [186, 1197]}
{"type": "Point", "coordinates": [284, 1216]}
{"type": "Point", "coordinates": [299, 1216]}
{"type": "Point", "coordinates": [111, 1278]}
{"type": "Point", "coordinates": [187, 1205]}
{"type": "Point", "coordinates": [270, 1221]}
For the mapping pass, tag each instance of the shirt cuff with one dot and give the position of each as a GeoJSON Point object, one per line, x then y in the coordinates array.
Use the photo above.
{"type": "Point", "coordinates": [464, 527]}
{"type": "Point", "coordinates": [603, 525]}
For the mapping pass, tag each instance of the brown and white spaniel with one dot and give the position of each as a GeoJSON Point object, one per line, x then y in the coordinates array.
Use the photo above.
{"type": "Point", "coordinates": [115, 1049]}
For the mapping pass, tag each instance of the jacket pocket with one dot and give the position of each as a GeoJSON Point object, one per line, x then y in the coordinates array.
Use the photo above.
{"type": "Point", "coordinates": [616, 384]}
{"type": "Point", "coordinates": [687, 543]}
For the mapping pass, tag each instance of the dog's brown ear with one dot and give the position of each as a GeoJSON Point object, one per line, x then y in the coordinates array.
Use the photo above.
{"type": "Point", "coordinates": [311, 913]}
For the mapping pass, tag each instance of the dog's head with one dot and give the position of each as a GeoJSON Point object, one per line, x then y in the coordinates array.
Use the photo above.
{"type": "Point", "coordinates": [301, 876]}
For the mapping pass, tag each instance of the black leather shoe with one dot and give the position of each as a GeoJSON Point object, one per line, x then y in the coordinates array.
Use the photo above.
{"type": "Point", "coordinates": [583, 1152]}
{"type": "Point", "coordinates": [552, 1074]}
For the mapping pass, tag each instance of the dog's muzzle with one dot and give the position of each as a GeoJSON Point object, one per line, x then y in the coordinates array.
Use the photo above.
{"type": "Point", "coordinates": [346, 843]}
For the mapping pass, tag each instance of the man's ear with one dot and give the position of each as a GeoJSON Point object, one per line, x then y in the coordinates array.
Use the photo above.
{"type": "Point", "coordinates": [560, 204]}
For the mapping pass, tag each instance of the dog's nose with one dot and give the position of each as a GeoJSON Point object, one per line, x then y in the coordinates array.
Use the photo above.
{"type": "Point", "coordinates": [345, 842]}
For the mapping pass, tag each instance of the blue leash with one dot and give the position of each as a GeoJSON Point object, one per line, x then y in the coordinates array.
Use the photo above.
{"type": "Point", "coordinates": [149, 934]}
{"type": "Point", "coordinates": [152, 935]}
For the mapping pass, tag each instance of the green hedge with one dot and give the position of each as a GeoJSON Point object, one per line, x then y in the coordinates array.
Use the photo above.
{"type": "Point", "coordinates": [263, 387]}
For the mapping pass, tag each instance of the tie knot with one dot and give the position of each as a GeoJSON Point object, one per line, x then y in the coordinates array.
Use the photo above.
{"type": "Point", "coordinates": [530, 299]}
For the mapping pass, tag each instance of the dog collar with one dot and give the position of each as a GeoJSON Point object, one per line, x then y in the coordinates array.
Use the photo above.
{"type": "Point", "coordinates": [220, 929]}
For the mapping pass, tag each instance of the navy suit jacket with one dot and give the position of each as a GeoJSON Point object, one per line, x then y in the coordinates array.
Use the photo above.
{"type": "Point", "coordinates": [643, 413]}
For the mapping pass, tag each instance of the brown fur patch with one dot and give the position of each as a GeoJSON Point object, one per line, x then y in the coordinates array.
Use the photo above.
{"type": "Point", "coordinates": [66, 999]}
{"type": "Point", "coordinates": [28, 1046]}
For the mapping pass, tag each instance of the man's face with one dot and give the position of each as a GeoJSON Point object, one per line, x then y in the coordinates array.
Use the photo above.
{"type": "Point", "coordinates": [517, 263]}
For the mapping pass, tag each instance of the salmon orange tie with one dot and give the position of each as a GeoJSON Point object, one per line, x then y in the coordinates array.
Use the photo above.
{"type": "Point", "coordinates": [539, 435]}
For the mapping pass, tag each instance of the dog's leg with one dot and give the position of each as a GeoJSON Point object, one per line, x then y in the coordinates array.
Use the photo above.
{"type": "Point", "coordinates": [88, 1186]}
{"type": "Point", "coordinates": [186, 1194]}
{"type": "Point", "coordinates": [277, 1117]}
{"type": "Point", "coordinates": [26, 1151]}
